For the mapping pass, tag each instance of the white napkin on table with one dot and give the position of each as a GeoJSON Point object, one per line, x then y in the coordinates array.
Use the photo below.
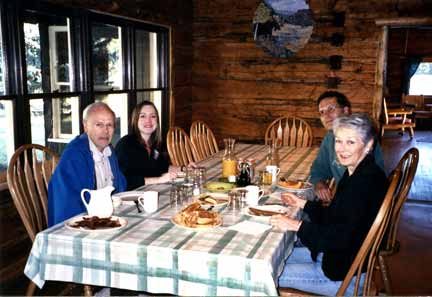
{"type": "Point", "coordinates": [250, 227]}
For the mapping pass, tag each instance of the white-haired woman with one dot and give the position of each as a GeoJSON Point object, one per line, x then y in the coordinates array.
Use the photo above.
{"type": "Point", "coordinates": [333, 235]}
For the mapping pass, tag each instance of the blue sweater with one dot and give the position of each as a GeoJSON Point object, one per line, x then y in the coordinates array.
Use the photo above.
{"type": "Point", "coordinates": [326, 165]}
{"type": "Point", "coordinates": [74, 172]}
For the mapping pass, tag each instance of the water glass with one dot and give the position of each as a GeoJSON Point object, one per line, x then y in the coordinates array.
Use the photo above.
{"type": "Point", "coordinates": [187, 193]}
{"type": "Point", "coordinates": [234, 202]}
{"type": "Point", "coordinates": [176, 195]}
{"type": "Point", "coordinates": [200, 174]}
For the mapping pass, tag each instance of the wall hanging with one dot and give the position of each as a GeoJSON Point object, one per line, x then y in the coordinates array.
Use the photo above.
{"type": "Point", "coordinates": [282, 27]}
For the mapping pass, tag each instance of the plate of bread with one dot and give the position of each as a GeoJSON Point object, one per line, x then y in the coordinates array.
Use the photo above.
{"type": "Point", "coordinates": [212, 200]}
{"type": "Point", "coordinates": [195, 217]}
{"type": "Point", "coordinates": [293, 185]}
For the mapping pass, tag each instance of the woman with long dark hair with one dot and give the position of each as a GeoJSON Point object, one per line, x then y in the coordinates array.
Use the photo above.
{"type": "Point", "coordinates": [139, 153]}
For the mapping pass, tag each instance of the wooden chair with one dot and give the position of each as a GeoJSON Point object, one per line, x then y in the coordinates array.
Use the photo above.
{"type": "Point", "coordinates": [28, 175]}
{"type": "Point", "coordinates": [203, 139]}
{"type": "Point", "coordinates": [408, 167]}
{"type": "Point", "coordinates": [395, 119]}
{"type": "Point", "coordinates": [289, 131]}
{"type": "Point", "coordinates": [180, 148]}
{"type": "Point", "coordinates": [417, 104]}
{"type": "Point", "coordinates": [368, 251]}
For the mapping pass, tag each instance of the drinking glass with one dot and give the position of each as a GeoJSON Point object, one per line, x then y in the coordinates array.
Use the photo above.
{"type": "Point", "coordinates": [176, 195]}
{"type": "Point", "coordinates": [187, 193]}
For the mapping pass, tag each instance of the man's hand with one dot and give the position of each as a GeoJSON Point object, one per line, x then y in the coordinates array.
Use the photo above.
{"type": "Point", "coordinates": [323, 192]}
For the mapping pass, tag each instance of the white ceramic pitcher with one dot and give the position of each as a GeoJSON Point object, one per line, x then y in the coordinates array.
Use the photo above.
{"type": "Point", "coordinates": [100, 203]}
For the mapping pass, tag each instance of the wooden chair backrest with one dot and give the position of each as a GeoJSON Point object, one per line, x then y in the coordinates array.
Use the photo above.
{"type": "Point", "coordinates": [408, 167]}
{"type": "Point", "coordinates": [369, 249]}
{"type": "Point", "coordinates": [289, 131]}
{"type": "Point", "coordinates": [203, 139]}
{"type": "Point", "coordinates": [28, 174]}
{"type": "Point", "coordinates": [386, 117]}
{"type": "Point", "coordinates": [415, 100]}
{"type": "Point", "coordinates": [180, 147]}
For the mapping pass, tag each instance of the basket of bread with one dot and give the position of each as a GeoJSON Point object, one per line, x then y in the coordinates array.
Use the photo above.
{"type": "Point", "coordinates": [195, 217]}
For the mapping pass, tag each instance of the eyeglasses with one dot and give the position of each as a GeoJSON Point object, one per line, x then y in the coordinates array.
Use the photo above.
{"type": "Point", "coordinates": [329, 109]}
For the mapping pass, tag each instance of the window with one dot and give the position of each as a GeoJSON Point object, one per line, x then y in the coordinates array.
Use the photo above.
{"type": "Point", "coordinates": [69, 60]}
{"type": "Point", "coordinates": [107, 57]}
{"type": "Point", "coordinates": [6, 130]}
{"type": "Point", "coordinates": [421, 81]}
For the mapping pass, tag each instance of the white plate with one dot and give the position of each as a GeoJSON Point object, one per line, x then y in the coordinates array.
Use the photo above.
{"type": "Point", "coordinates": [276, 208]}
{"type": "Point", "coordinates": [222, 198]}
{"type": "Point", "coordinates": [129, 195]}
{"type": "Point", "coordinates": [69, 224]}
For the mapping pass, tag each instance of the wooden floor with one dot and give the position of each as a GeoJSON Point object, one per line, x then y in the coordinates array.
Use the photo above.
{"type": "Point", "coordinates": [410, 269]}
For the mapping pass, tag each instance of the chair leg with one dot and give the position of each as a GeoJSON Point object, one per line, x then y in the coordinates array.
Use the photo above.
{"type": "Point", "coordinates": [385, 276]}
{"type": "Point", "coordinates": [31, 289]}
{"type": "Point", "coordinates": [88, 291]}
{"type": "Point", "coordinates": [411, 132]}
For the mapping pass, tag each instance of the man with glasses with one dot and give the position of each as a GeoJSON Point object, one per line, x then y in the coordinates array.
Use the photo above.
{"type": "Point", "coordinates": [331, 105]}
{"type": "Point", "coordinates": [88, 162]}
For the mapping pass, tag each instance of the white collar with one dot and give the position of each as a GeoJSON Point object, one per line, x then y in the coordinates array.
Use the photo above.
{"type": "Point", "coordinates": [97, 154]}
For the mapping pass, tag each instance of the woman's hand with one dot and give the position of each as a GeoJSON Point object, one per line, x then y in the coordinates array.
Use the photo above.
{"type": "Point", "coordinates": [174, 169]}
{"type": "Point", "coordinates": [323, 192]}
{"type": "Point", "coordinates": [167, 177]}
{"type": "Point", "coordinates": [292, 199]}
{"type": "Point", "coordinates": [192, 165]}
{"type": "Point", "coordinates": [284, 223]}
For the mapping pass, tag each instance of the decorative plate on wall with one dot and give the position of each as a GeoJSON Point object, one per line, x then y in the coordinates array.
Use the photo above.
{"type": "Point", "coordinates": [282, 27]}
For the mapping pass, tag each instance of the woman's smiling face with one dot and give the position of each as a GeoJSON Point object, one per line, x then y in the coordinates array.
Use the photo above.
{"type": "Point", "coordinates": [349, 147]}
{"type": "Point", "coordinates": [147, 121]}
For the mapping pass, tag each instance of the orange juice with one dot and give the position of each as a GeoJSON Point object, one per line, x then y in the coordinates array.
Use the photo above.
{"type": "Point", "coordinates": [229, 168]}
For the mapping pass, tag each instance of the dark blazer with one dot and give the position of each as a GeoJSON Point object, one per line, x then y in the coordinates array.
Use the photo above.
{"type": "Point", "coordinates": [136, 163]}
{"type": "Point", "coordinates": [340, 229]}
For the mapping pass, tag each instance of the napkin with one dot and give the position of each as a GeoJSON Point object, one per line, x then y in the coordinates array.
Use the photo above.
{"type": "Point", "coordinates": [250, 227]}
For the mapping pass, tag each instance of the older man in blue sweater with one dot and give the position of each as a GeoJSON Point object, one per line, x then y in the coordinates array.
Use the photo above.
{"type": "Point", "coordinates": [88, 162]}
{"type": "Point", "coordinates": [331, 105]}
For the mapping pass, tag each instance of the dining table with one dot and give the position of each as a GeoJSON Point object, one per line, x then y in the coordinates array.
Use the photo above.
{"type": "Point", "coordinates": [152, 254]}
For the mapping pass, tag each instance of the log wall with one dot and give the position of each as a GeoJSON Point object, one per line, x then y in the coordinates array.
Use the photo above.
{"type": "Point", "coordinates": [239, 89]}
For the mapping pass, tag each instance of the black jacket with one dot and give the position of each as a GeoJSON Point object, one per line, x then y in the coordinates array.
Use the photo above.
{"type": "Point", "coordinates": [340, 229]}
{"type": "Point", "coordinates": [135, 162]}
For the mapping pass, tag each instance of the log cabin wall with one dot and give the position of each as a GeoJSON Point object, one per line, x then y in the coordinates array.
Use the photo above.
{"type": "Point", "coordinates": [404, 43]}
{"type": "Point", "coordinates": [238, 89]}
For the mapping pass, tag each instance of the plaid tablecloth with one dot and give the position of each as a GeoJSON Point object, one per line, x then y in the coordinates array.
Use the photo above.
{"type": "Point", "coordinates": [154, 255]}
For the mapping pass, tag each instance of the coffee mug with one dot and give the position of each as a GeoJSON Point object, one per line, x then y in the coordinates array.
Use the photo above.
{"type": "Point", "coordinates": [253, 195]}
{"type": "Point", "coordinates": [149, 201]}
{"type": "Point", "coordinates": [274, 170]}
{"type": "Point", "coordinates": [117, 201]}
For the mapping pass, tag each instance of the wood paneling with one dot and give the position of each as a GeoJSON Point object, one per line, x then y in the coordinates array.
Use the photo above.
{"type": "Point", "coordinates": [238, 89]}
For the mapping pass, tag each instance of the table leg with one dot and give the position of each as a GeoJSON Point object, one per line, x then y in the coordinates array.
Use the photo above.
{"type": "Point", "coordinates": [88, 290]}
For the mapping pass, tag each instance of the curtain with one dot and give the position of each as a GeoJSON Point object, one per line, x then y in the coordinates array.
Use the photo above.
{"type": "Point", "coordinates": [411, 66]}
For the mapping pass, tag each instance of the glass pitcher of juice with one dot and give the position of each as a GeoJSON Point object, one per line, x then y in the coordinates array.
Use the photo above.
{"type": "Point", "coordinates": [229, 160]}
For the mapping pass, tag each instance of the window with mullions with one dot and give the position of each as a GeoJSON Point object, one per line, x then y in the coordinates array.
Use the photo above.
{"type": "Point", "coordinates": [49, 70]}
{"type": "Point", "coordinates": [107, 57]}
{"type": "Point", "coordinates": [54, 46]}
